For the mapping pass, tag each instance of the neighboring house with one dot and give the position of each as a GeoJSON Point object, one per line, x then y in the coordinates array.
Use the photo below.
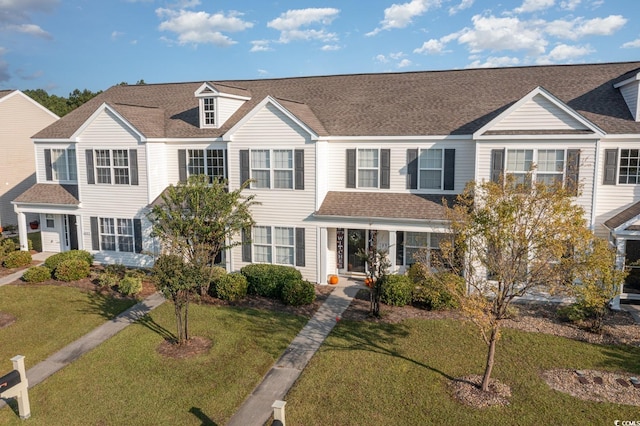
{"type": "Point", "coordinates": [339, 163]}
{"type": "Point", "coordinates": [20, 118]}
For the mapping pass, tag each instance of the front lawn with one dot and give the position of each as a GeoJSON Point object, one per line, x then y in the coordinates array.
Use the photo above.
{"type": "Point", "coordinates": [47, 318]}
{"type": "Point", "coordinates": [125, 381]}
{"type": "Point", "coordinates": [397, 374]}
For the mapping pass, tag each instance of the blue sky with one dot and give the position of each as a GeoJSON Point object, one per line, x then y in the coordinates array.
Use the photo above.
{"type": "Point", "coordinates": [61, 45]}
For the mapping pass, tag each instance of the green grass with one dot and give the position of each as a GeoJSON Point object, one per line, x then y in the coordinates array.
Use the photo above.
{"type": "Point", "coordinates": [397, 374]}
{"type": "Point", "coordinates": [49, 318]}
{"type": "Point", "coordinates": [125, 381]}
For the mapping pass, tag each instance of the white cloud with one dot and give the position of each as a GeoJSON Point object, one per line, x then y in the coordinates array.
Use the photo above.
{"type": "Point", "coordinates": [18, 11]}
{"type": "Point", "coordinates": [465, 4]}
{"type": "Point", "coordinates": [262, 72]}
{"type": "Point", "coordinates": [570, 4]}
{"type": "Point", "coordinates": [404, 63]}
{"type": "Point", "coordinates": [492, 33]}
{"type": "Point", "coordinates": [202, 27]}
{"type": "Point", "coordinates": [631, 44]}
{"type": "Point", "coordinates": [495, 62]}
{"type": "Point", "coordinates": [431, 47]}
{"type": "Point", "coordinates": [563, 52]}
{"type": "Point", "coordinates": [579, 27]}
{"type": "Point", "coordinates": [330, 47]}
{"type": "Point", "coordinates": [260, 46]}
{"type": "Point", "coordinates": [30, 29]}
{"type": "Point", "coordinates": [290, 23]}
{"type": "Point", "coordinates": [116, 35]}
{"type": "Point", "coordinates": [381, 58]}
{"type": "Point", "coordinates": [534, 5]}
{"type": "Point", "coordinates": [397, 55]}
{"type": "Point", "coordinates": [401, 15]}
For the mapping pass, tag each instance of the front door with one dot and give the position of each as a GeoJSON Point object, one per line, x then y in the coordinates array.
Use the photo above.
{"type": "Point", "coordinates": [632, 262]}
{"type": "Point", "coordinates": [356, 241]}
{"type": "Point", "coordinates": [70, 232]}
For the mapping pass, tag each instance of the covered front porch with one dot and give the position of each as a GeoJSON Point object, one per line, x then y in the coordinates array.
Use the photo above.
{"type": "Point", "coordinates": [624, 234]}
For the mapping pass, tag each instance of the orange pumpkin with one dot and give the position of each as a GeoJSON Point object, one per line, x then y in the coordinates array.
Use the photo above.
{"type": "Point", "coordinates": [368, 282]}
{"type": "Point", "coordinates": [333, 279]}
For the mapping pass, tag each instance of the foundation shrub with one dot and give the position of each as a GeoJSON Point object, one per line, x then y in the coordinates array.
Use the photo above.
{"type": "Point", "coordinates": [267, 280]}
{"type": "Point", "coordinates": [17, 259]}
{"type": "Point", "coordinates": [217, 273]}
{"type": "Point", "coordinates": [52, 262]}
{"type": "Point", "coordinates": [130, 285]}
{"type": "Point", "coordinates": [396, 290]}
{"type": "Point", "coordinates": [37, 274]}
{"type": "Point", "coordinates": [298, 292]}
{"type": "Point", "coordinates": [231, 287]}
{"type": "Point", "coordinates": [72, 270]}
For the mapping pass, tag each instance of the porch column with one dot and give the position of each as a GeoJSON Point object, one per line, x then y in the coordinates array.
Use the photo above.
{"type": "Point", "coordinates": [393, 249]}
{"type": "Point", "coordinates": [22, 231]}
{"type": "Point", "coordinates": [323, 248]}
{"type": "Point", "coordinates": [621, 251]}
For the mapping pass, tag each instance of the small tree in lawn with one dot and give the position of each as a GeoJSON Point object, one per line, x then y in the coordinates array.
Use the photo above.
{"type": "Point", "coordinates": [597, 281]}
{"type": "Point", "coordinates": [378, 265]}
{"type": "Point", "coordinates": [195, 221]}
{"type": "Point", "coordinates": [516, 239]}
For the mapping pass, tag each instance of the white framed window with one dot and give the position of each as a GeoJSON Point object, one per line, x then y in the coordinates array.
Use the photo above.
{"type": "Point", "coordinates": [208, 107]}
{"type": "Point", "coordinates": [284, 243]}
{"type": "Point", "coordinates": [262, 244]}
{"type": "Point", "coordinates": [417, 243]}
{"type": "Point", "coordinates": [63, 164]}
{"type": "Point", "coordinates": [629, 170]}
{"type": "Point", "coordinates": [519, 162]}
{"type": "Point", "coordinates": [431, 168]}
{"type": "Point", "coordinates": [368, 168]}
{"type": "Point", "coordinates": [272, 168]}
{"type": "Point", "coordinates": [121, 166]}
{"type": "Point", "coordinates": [103, 166]}
{"type": "Point", "coordinates": [49, 221]}
{"type": "Point", "coordinates": [116, 235]}
{"type": "Point", "coordinates": [112, 166]}
{"type": "Point", "coordinates": [209, 162]}
{"type": "Point", "coordinates": [550, 168]}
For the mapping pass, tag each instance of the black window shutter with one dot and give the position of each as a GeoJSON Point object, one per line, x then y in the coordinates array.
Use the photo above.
{"type": "Point", "coordinates": [300, 260]}
{"type": "Point", "coordinates": [497, 164]}
{"type": "Point", "coordinates": [385, 168]}
{"type": "Point", "coordinates": [610, 166]}
{"type": "Point", "coordinates": [400, 248]}
{"type": "Point", "coordinates": [299, 168]}
{"type": "Point", "coordinates": [351, 168]}
{"type": "Point", "coordinates": [182, 165]}
{"type": "Point", "coordinates": [91, 177]}
{"type": "Point", "coordinates": [246, 245]}
{"type": "Point", "coordinates": [47, 164]}
{"type": "Point", "coordinates": [95, 234]}
{"type": "Point", "coordinates": [572, 170]}
{"type": "Point", "coordinates": [412, 169]}
{"type": "Point", "coordinates": [137, 235]}
{"type": "Point", "coordinates": [133, 166]}
{"type": "Point", "coordinates": [449, 169]}
{"type": "Point", "coordinates": [244, 169]}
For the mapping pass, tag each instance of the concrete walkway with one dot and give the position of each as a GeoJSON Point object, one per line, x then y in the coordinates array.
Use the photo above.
{"type": "Point", "coordinates": [256, 409]}
{"type": "Point", "coordinates": [40, 257]}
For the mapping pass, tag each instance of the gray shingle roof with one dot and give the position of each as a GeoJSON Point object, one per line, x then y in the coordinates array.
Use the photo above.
{"type": "Point", "coordinates": [624, 216]}
{"type": "Point", "coordinates": [384, 205]}
{"type": "Point", "coordinates": [48, 193]}
{"type": "Point", "coordinates": [4, 93]}
{"type": "Point", "coordinates": [404, 104]}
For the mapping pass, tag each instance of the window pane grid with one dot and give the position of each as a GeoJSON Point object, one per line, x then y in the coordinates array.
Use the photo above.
{"type": "Point", "coordinates": [196, 162]}
{"type": "Point", "coordinates": [215, 164]}
{"type": "Point", "coordinates": [116, 235]}
{"type": "Point", "coordinates": [431, 165]}
{"type": "Point", "coordinates": [209, 107]}
{"type": "Point", "coordinates": [103, 166]}
{"type": "Point", "coordinates": [629, 166]}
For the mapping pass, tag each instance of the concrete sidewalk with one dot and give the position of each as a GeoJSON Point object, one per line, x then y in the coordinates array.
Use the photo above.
{"type": "Point", "coordinates": [40, 257]}
{"type": "Point", "coordinates": [256, 409]}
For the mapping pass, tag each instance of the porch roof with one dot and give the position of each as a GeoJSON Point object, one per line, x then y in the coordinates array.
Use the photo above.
{"type": "Point", "coordinates": [384, 205]}
{"type": "Point", "coordinates": [624, 216]}
{"type": "Point", "coordinates": [50, 193]}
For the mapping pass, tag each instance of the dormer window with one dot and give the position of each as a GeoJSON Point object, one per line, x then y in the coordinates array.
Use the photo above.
{"type": "Point", "coordinates": [208, 111]}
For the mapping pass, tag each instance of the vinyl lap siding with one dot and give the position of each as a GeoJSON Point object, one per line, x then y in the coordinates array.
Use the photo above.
{"type": "Point", "coordinates": [538, 113]}
{"type": "Point", "coordinates": [157, 168]}
{"type": "Point", "coordinates": [226, 108]}
{"type": "Point", "coordinates": [630, 94]}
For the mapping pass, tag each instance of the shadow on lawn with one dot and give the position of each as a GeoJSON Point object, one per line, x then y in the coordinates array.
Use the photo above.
{"type": "Point", "coordinates": [152, 325]}
{"type": "Point", "coordinates": [622, 358]}
{"type": "Point", "coordinates": [380, 339]}
{"type": "Point", "coordinates": [106, 306]}
{"type": "Point", "coordinates": [206, 421]}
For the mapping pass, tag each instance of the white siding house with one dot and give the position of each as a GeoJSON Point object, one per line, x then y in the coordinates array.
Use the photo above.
{"type": "Point", "coordinates": [339, 165]}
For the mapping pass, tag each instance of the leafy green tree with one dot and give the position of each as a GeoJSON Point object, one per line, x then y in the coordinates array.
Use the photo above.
{"type": "Point", "coordinates": [516, 239]}
{"type": "Point", "coordinates": [195, 221]}
{"type": "Point", "coordinates": [60, 105]}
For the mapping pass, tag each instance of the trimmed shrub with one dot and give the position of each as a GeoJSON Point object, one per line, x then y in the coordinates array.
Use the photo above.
{"type": "Point", "coordinates": [130, 285]}
{"type": "Point", "coordinates": [72, 270]}
{"type": "Point", "coordinates": [52, 262]}
{"type": "Point", "coordinates": [435, 291]}
{"type": "Point", "coordinates": [298, 292]}
{"type": "Point", "coordinates": [108, 279]}
{"type": "Point", "coordinates": [217, 273]}
{"type": "Point", "coordinates": [267, 280]}
{"type": "Point", "coordinates": [231, 287]}
{"type": "Point", "coordinates": [17, 259]}
{"type": "Point", "coordinates": [574, 312]}
{"type": "Point", "coordinates": [396, 290]}
{"type": "Point", "coordinates": [6, 246]}
{"type": "Point", "coordinates": [116, 269]}
{"type": "Point", "coordinates": [37, 274]}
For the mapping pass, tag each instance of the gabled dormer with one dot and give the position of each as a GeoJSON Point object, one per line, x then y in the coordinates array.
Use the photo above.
{"type": "Point", "coordinates": [630, 89]}
{"type": "Point", "coordinates": [218, 102]}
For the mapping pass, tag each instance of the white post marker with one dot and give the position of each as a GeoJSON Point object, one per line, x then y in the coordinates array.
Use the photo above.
{"type": "Point", "coordinates": [278, 411]}
{"type": "Point", "coordinates": [15, 385]}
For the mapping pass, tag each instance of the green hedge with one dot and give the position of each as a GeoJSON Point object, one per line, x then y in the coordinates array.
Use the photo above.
{"type": "Point", "coordinates": [231, 287]}
{"type": "Point", "coordinates": [298, 292]}
{"type": "Point", "coordinates": [52, 262]}
{"type": "Point", "coordinates": [130, 285]}
{"type": "Point", "coordinates": [267, 280]}
{"type": "Point", "coordinates": [17, 259]}
{"type": "Point", "coordinates": [37, 274]}
{"type": "Point", "coordinates": [396, 290]}
{"type": "Point", "coordinates": [72, 270]}
{"type": "Point", "coordinates": [436, 291]}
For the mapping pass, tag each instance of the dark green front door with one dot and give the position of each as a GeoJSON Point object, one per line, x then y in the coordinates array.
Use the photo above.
{"type": "Point", "coordinates": [356, 241]}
